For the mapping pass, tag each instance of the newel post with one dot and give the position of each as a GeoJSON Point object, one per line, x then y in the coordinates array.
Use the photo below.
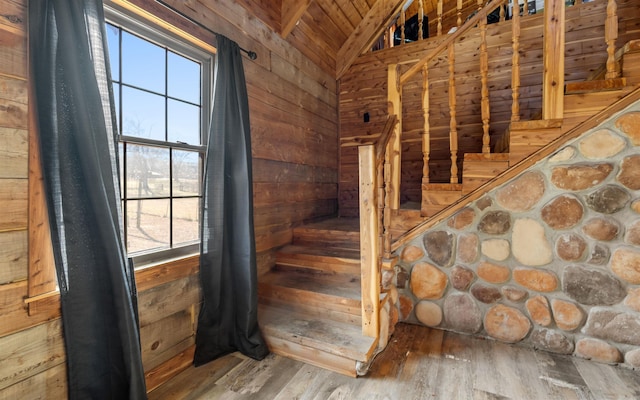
{"type": "Point", "coordinates": [369, 241]}
{"type": "Point", "coordinates": [553, 78]}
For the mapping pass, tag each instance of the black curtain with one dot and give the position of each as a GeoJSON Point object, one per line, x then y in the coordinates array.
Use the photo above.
{"type": "Point", "coordinates": [228, 317]}
{"type": "Point", "coordinates": [77, 130]}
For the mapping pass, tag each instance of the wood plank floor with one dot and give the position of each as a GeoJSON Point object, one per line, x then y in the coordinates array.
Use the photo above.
{"type": "Point", "coordinates": [420, 363]}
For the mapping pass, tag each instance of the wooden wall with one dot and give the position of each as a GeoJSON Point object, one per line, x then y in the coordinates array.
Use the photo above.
{"type": "Point", "coordinates": [293, 106]}
{"type": "Point", "coordinates": [363, 89]}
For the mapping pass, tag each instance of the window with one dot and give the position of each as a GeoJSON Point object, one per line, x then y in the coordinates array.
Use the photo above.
{"type": "Point", "coordinates": [162, 92]}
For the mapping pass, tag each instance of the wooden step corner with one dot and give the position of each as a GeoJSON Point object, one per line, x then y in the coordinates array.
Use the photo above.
{"type": "Point", "coordinates": [307, 337]}
{"type": "Point", "coordinates": [600, 85]}
{"type": "Point", "coordinates": [535, 124]}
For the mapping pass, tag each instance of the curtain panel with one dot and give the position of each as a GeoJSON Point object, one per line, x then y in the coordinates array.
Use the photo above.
{"type": "Point", "coordinates": [228, 317]}
{"type": "Point", "coordinates": [77, 131]}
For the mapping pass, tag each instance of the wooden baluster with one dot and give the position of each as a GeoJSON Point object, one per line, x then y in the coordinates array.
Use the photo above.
{"type": "Point", "coordinates": [484, 91]}
{"type": "Point", "coordinates": [380, 203]}
{"type": "Point", "coordinates": [439, 11]}
{"type": "Point", "coordinates": [459, 10]}
{"type": "Point", "coordinates": [393, 153]}
{"type": "Point", "coordinates": [577, 2]}
{"type": "Point", "coordinates": [453, 130]}
{"type": "Point", "coordinates": [403, 21]}
{"type": "Point", "coordinates": [502, 13]}
{"type": "Point", "coordinates": [515, 67]}
{"type": "Point", "coordinates": [421, 20]}
{"type": "Point", "coordinates": [610, 35]}
{"type": "Point", "coordinates": [426, 137]}
{"type": "Point", "coordinates": [525, 8]}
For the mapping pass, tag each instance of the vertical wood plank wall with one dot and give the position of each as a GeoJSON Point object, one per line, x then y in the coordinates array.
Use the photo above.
{"type": "Point", "coordinates": [363, 89]}
{"type": "Point", "coordinates": [293, 106]}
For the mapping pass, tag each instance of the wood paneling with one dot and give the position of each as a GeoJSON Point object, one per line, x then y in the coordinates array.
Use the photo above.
{"type": "Point", "coordinates": [13, 256]}
{"type": "Point", "coordinates": [30, 352]}
{"type": "Point", "coordinates": [14, 156]}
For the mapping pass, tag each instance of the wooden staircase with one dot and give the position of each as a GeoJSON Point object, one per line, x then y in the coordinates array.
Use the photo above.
{"type": "Point", "coordinates": [310, 302]}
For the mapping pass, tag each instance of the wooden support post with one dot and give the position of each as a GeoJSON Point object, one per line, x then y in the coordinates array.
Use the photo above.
{"type": "Point", "coordinates": [439, 15]}
{"type": "Point", "coordinates": [515, 67]}
{"type": "Point", "coordinates": [610, 35]}
{"type": "Point", "coordinates": [369, 239]}
{"type": "Point", "coordinates": [421, 20]}
{"type": "Point", "coordinates": [403, 21]}
{"type": "Point", "coordinates": [453, 130]}
{"type": "Point", "coordinates": [426, 137]}
{"type": "Point", "coordinates": [459, 12]}
{"type": "Point", "coordinates": [392, 157]}
{"type": "Point", "coordinates": [484, 90]}
{"type": "Point", "coordinates": [553, 50]}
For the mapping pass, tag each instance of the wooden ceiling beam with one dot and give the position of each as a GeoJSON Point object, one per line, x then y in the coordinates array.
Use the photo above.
{"type": "Point", "coordinates": [367, 31]}
{"type": "Point", "coordinates": [290, 13]}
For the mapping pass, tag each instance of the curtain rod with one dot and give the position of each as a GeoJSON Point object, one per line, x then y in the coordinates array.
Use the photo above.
{"type": "Point", "coordinates": [251, 54]}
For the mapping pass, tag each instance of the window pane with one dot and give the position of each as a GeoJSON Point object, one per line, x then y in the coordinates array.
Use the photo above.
{"type": "Point", "coordinates": [186, 227]}
{"type": "Point", "coordinates": [186, 173]}
{"type": "Point", "coordinates": [184, 122]}
{"type": "Point", "coordinates": [147, 225]}
{"type": "Point", "coordinates": [147, 172]}
{"type": "Point", "coordinates": [184, 78]}
{"type": "Point", "coordinates": [143, 63]}
{"type": "Point", "coordinates": [114, 51]}
{"type": "Point", "coordinates": [116, 101]}
{"type": "Point", "coordinates": [142, 114]}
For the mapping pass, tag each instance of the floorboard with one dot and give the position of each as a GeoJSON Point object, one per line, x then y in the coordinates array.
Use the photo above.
{"type": "Point", "coordinates": [419, 363]}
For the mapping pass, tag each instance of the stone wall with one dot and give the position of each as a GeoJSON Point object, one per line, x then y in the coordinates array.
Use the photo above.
{"type": "Point", "coordinates": [550, 259]}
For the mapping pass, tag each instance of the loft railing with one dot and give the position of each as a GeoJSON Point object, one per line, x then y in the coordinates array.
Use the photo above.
{"type": "Point", "coordinates": [416, 22]}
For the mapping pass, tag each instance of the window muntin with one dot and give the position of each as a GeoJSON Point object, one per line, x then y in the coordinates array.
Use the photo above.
{"type": "Point", "coordinates": [161, 88]}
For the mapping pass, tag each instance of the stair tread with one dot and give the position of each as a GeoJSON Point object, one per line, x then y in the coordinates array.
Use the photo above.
{"type": "Point", "coordinates": [346, 286]}
{"type": "Point", "coordinates": [334, 337]}
{"type": "Point", "coordinates": [302, 251]}
{"type": "Point", "coordinates": [334, 224]}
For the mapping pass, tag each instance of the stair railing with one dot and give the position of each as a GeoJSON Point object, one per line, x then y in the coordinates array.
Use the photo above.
{"type": "Point", "coordinates": [375, 239]}
{"type": "Point", "coordinates": [552, 80]}
{"type": "Point", "coordinates": [396, 82]}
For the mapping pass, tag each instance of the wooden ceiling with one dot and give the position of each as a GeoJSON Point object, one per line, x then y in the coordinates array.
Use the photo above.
{"type": "Point", "coordinates": [332, 33]}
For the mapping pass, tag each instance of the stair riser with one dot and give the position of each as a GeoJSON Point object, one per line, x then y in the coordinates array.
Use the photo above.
{"type": "Point", "coordinates": [303, 299]}
{"type": "Point", "coordinates": [311, 356]}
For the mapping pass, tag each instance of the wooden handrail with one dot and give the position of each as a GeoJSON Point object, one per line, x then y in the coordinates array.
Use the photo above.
{"type": "Point", "coordinates": [471, 22]}
{"type": "Point", "coordinates": [385, 136]}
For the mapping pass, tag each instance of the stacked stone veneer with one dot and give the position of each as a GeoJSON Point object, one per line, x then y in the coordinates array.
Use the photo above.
{"type": "Point", "coordinates": [550, 259]}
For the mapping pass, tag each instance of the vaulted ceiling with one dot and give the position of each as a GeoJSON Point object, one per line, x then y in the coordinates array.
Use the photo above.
{"type": "Point", "coordinates": [333, 33]}
{"type": "Point", "coordinates": [330, 32]}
